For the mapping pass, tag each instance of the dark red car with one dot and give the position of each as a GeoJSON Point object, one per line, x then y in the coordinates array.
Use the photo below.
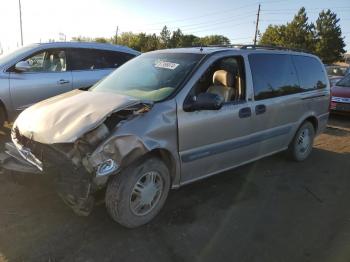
{"type": "Point", "coordinates": [341, 96]}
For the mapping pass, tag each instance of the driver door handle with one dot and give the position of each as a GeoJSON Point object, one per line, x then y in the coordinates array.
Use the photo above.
{"type": "Point", "coordinates": [62, 81]}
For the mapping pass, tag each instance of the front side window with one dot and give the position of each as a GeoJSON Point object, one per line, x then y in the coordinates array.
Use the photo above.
{"type": "Point", "coordinates": [310, 73]}
{"type": "Point", "coordinates": [273, 75]}
{"type": "Point", "coordinates": [151, 76]}
{"type": "Point", "coordinates": [48, 61]}
{"type": "Point", "coordinates": [225, 77]}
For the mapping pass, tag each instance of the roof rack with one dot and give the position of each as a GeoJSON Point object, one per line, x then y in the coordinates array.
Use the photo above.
{"type": "Point", "coordinates": [266, 47]}
{"type": "Point", "coordinates": [272, 47]}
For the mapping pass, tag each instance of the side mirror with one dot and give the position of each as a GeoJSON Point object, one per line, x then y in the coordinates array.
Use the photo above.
{"type": "Point", "coordinates": [22, 66]}
{"type": "Point", "coordinates": [204, 101]}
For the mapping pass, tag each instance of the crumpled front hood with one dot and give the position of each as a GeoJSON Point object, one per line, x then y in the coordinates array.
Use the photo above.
{"type": "Point", "coordinates": [65, 118]}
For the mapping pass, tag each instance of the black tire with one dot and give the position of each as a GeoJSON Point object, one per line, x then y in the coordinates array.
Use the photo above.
{"type": "Point", "coordinates": [2, 118]}
{"type": "Point", "coordinates": [121, 190]}
{"type": "Point", "coordinates": [301, 146]}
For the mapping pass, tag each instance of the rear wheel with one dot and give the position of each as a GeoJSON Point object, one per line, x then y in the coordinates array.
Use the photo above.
{"type": "Point", "coordinates": [3, 129]}
{"type": "Point", "coordinates": [302, 143]}
{"type": "Point", "coordinates": [2, 118]}
{"type": "Point", "coordinates": [135, 196]}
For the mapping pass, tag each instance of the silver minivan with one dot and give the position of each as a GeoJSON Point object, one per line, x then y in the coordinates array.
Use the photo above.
{"type": "Point", "coordinates": [39, 71]}
{"type": "Point", "coordinates": [168, 118]}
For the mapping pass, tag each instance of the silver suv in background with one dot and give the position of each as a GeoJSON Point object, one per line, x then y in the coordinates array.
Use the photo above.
{"type": "Point", "coordinates": [168, 118]}
{"type": "Point", "coordinates": [39, 71]}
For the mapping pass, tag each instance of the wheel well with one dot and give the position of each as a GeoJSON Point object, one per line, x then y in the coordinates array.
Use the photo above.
{"type": "Point", "coordinates": [313, 120]}
{"type": "Point", "coordinates": [162, 154]}
{"type": "Point", "coordinates": [168, 159]}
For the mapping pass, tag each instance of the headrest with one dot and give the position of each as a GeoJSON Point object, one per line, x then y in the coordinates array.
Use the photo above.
{"type": "Point", "coordinates": [222, 77]}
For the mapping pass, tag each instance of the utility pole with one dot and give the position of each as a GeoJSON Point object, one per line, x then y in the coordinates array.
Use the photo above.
{"type": "Point", "coordinates": [116, 35]}
{"type": "Point", "coordinates": [20, 20]}
{"type": "Point", "coordinates": [257, 25]}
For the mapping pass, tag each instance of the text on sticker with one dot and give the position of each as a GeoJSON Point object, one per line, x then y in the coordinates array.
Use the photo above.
{"type": "Point", "coordinates": [167, 65]}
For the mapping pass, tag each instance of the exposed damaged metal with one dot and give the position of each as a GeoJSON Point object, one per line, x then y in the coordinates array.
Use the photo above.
{"type": "Point", "coordinates": [82, 163]}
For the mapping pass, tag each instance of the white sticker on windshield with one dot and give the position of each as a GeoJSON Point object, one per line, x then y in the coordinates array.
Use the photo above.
{"type": "Point", "coordinates": [167, 65]}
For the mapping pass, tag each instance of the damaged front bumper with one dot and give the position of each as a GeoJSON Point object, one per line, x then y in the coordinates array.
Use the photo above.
{"type": "Point", "coordinates": [12, 160]}
{"type": "Point", "coordinates": [75, 185]}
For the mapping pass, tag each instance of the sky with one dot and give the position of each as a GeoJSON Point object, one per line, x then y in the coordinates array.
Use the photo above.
{"type": "Point", "coordinates": [46, 19]}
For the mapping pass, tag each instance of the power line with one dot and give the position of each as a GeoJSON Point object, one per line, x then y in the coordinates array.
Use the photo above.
{"type": "Point", "coordinates": [204, 15]}
{"type": "Point", "coordinates": [317, 8]}
{"type": "Point", "coordinates": [221, 21]}
{"type": "Point", "coordinates": [195, 26]}
{"type": "Point", "coordinates": [286, 20]}
{"type": "Point", "coordinates": [216, 12]}
{"type": "Point", "coordinates": [220, 27]}
{"type": "Point", "coordinates": [295, 11]}
{"type": "Point", "coordinates": [201, 26]}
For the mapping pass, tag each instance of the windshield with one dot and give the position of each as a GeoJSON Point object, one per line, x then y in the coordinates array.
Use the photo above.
{"type": "Point", "coordinates": [151, 76]}
{"type": "Point", "coordinates": [344, 81]}
{"type": "Point", "coordinates": [10, 56]}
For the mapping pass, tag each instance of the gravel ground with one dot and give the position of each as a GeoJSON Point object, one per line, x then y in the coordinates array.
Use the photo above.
{"type": "Point", "coordinates": [271, 210]}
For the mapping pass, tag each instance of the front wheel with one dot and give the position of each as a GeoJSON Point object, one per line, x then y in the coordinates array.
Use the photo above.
{"type": "Point", "coordinates": [2, 118]}
{"type": "Point", "coordinates": [136, 195]}
{"type": "Point", "coordinates": [301, 146]}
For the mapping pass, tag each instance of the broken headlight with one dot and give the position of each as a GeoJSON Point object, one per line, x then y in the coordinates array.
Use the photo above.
{"type": "Point", "coordinates": [107, 167]}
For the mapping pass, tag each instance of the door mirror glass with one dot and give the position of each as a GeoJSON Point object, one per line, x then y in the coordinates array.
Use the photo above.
{"type": "Point", "coordinates": [23, 66]}
{"type": "Point", "coordinates": [204, 101]}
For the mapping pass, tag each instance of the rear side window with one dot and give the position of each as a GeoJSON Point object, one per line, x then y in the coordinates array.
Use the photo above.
{"type": "Point", "coordinates": [92, 59]}
{"type": "Point", "coordinates": [310, 72]}
{"type": "Point", "coordinates": [273, 75]}
{"type": "Point", "coordinates": [114, 59]}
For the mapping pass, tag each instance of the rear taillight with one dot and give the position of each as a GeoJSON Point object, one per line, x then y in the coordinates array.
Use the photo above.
{"type": "Point", "coordinates": [332, 105]}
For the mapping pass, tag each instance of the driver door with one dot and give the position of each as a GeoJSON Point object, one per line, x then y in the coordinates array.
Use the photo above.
{"type": "Point", "coordinates": [47, 77]}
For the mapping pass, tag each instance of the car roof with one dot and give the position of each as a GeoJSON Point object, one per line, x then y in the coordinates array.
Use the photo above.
{"type": "Point", "coordinates": [215, 49]}
{"type": "Point", "coordinates": [92, 45]}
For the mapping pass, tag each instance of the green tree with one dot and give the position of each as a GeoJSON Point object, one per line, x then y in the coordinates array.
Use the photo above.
{"type": "Point", "coordinates": [323, 38]}
{"type": "Point", "coordinates": [189, 40]}
{"type": "Point", "coordinates": [214, 40]}
{"type": "Point", "coordinates": [130, 39]}
{"type": "Point", "coordinates": [148, 42]}
{"type": "Point", "coordinates": [165, 37]}
{"type": "Point", "coordinates": [273, 35]}
{"type": "Point", "coordinates": [296, 34]}
{"type": "Point", "coordinates": [176, 37]}
{"type": "Point", "coordinates": [152, 43]}
{"type": "Point", "coordinates": [299, 33]}
{"type": "Point", "coordinates": [101, 40]}
{"type": "Point", "coordinates": [329, 41]}
{"type": "Point", "coordinates": [82, 39]}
